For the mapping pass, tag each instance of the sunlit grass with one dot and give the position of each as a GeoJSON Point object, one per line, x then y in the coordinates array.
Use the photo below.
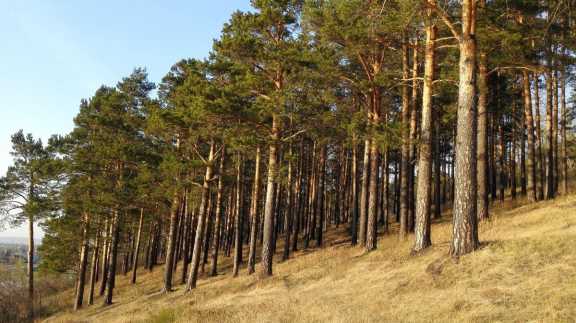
{"type": "Point", "coordinates": [524, 272]}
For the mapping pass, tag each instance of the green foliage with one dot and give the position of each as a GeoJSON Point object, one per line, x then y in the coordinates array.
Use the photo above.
{"type": "Point", "coordinates": [27, 189]}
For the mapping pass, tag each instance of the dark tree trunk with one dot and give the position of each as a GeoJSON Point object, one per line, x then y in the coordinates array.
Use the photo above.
{"type": "Point", "coordinates": [94, 268]}
{"type": "Point", "coordinates": [364, 193]}
{"type": "Point", "coordinates": [404, 162]}
{"type": "Point", "coordinates": [555, 131]}
{"type": "Point", "coordinates": [30, 266]}
{"type": "Point", "coordinates": [137, 246]}
{"type": "Point", "coordinates": [550, 128]}
{"type": "Point", "coordinates": [299, 197]}
{"type": "Point", "coordinates": [207, 233]}
{"type": "Point", "coordinates": [289, 212]}
{"type": "Point", "coordinates": [218, 214]}
{"type": "Point", "coordinates": [531, 164]}
{"type": "Point", "coordinates": [115, 229]}
{"type": "Point", "coordinates": [254, 221]}
{"type": "Point", "coordinates": [563, 150]}
{"type": "Point", "coordinates": [320, 211]}
{"type": "Point", "coordinates": [187, 232]}
{"type": "Point", "coordinates": [83, 263]}
{"type": "Point", "coordinates": [413, 141]}
{"type": "Point", "coordinates": [105, 255]}
{"type": "Point", "coordinates": [513, 152]}
{"type": "Point", "coordinates": [171, 247]}
{"type": "Point", "coordinates": [238, 223]}
{"type": "Point", "coordinates": [354, 204]}
{"type": "Point", "coordinates": [438, 168]}
{"type": "Point", "coordinates": [540, 172]}
{"type": "Point", "coordinates": [502, 150]}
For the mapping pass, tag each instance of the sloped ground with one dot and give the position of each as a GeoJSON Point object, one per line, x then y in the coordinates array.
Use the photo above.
{"type": "Point", "coordinates": [525, 271]}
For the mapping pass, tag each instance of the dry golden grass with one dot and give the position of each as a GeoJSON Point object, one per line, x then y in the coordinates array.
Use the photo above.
{"type": "Point", "coordinates": [525, 271]}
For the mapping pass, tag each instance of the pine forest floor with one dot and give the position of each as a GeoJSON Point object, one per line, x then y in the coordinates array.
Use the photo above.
{"type": "Point", "coordinates": [525, 271]}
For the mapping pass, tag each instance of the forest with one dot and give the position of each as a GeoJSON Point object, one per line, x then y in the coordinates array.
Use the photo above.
{"type": "Point", "coordinates": [373, 118]}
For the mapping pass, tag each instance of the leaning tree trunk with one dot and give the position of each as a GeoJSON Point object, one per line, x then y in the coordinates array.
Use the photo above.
{"type": "Point", "coordinates": [202, 211]}
{"type": "Point", "coordinates": [529, 120]}
{"type": "Point", "coordinates": [465, 225]}
{"type": "Point", "coordinates": [83, 264]}
{"type": "Point", "coordinates": [267, 243]}
{"type": "Point", "coordinates": [254, 221]}
{"type": "Point", "coordinates": [424, 193]}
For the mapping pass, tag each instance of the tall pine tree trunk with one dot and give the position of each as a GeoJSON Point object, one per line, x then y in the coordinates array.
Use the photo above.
{"type": "Point", "coordinates": [529, 120]}
{"type": "Point", "coordinates": [364, 193]}
{"type": "Point", "coordinates": [540, 172]}
{"type": "Point", "coordinates": [94, 268]}
{"type": "Point", "coordinates": [254, 221]}
{"type": "Point", "coordinates": [30, 265]}
{"type": "Point", "coordinates": [219, 214]}
{"type": "Point", "coordinates": [354, 204]}
{"type": "Point", "coordinates": [137, 246]}
{"type": "Point", "coordinates": [83, 263]}
{"type": "Point", "coordinates": [289, 212]}
{"type": "Point", "coordinates": [424, 186]}
{"type": "Point", "coordinates": [320, 210]}
{"type": "Point", "coordinates": [238, 223]}
{"type": "Point", "coordinates": [202, 211]}
{"type": "Point", "coordinates": [111, 280]}
{"type": "Point", "coordinates": [171, 247]}
{"type": "Point", "coordinates": [465, 226]}
{"type": "Point", "coordinates": [372, 221]}
{"type": "Point", "coordinates": [267, 243]}
{"type": "Point", "coordinates": [405, 153]}
{"type": "Point", "coordinates": [550, 129]}
{"type": "Point", "coordinates": [482, 205]}
{"type": "Point", "coordinates": [555, 129]}
{"type": "Point", "coordinates": [563, 149]}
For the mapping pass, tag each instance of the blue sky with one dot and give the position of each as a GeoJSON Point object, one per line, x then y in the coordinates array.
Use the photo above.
{"type": "Point", "coordinates": [54, 53]}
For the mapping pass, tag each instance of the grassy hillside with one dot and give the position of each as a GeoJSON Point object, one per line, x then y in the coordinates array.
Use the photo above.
{"type": "Point", "coordinates": [525, 271]}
